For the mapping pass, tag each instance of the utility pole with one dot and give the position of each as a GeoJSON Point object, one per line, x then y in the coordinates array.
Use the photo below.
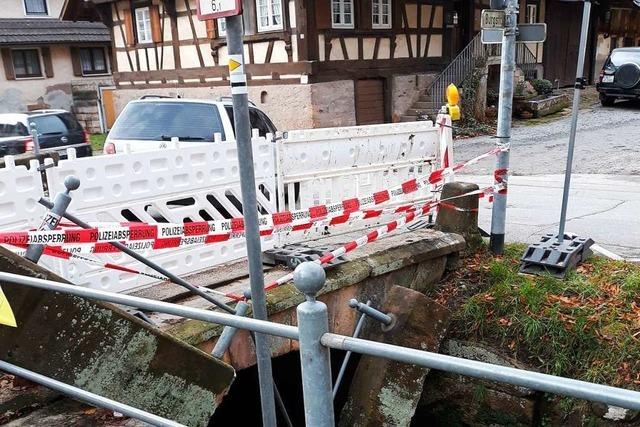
{"type": "Point", "coordinates": [238, 80]}
{"type": "Point", "coordinates": [505, 111]}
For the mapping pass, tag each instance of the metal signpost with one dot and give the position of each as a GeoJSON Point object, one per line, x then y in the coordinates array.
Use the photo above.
{"type": "Point", "coordinates": [558, 254]}
{"type": "Point", "coordinates": [231, 10]}
{"type": "Point", "coordinates": [499, 26]}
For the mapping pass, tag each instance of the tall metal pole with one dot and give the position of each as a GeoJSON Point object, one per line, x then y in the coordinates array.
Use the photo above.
{"type": "Point", "coordinates": [574, 116]}
{"type": "Point", "coordinates": [507, 70]}
{"type": "Point", "coordinates": [242, 124]}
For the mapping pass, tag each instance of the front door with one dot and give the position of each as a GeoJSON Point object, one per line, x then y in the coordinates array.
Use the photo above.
{"type": "Point", "coordinates": [370, 101]}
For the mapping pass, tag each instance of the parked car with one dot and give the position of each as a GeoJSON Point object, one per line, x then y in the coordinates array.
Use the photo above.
{"type": "Point", "coordinates": [57, 131]}
{"type": "Point", "coordinates": [150, 123]}
{"type": "Point", "coordinates": [620, 76]}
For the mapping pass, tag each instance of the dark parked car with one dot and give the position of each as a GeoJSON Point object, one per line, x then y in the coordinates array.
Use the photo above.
{"type": "Point", "coordinates": [620, 76]}
{"type": "Point", "coordinates": [57, 131]}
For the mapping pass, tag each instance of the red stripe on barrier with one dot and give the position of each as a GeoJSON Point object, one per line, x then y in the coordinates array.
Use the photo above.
{"type": "Point", "coordinates": [104, 248]}
{"type": "Point", "coordinates": [381, 197]}
{"type": "Point", "coordinates": [196, 228]}
{"type": "Point", "coordinates": [119, 267]}
{"type": "Point", "coordinates": [372, 214]}
{"type": "Point", "coordinates": [326, 258]}
{"type": "Point", "coordinates": [351, 205]}
{"type": "Point", "coordinates": [301, 227]}
{"type": "Point", "coordinates": [15, 238]}
{"type": "Point", "coordinates": [216, 238]}
{"type": "Point", "coordinates": [282, 218]}
{"type": "Point", "coordinates": [350, 246]}
{"type": "Point", "coordinates": [318, 211]}
{"type": "Point", "coordinates": [392, 226]}
{"type": "Point", "coordinates": [142, 232]}
{"type": "Point", "coordinates": [81, 236]}
{"type": "Point", "coordinates": [410, 186]}
{"type": "Point", "coordinates": [436, 176]}
{"type": "Point", "coordinates": [339, 219]}
{"type": "Point", "coordinates": [237, 224]}
{"type": "Point", "coordinates": [268, 232]}
{"type": "Point", "coordinates": [171, 242]}
{"type": "Point", "coordinates": [57, 252]}
{"type": "Point", "coordinates": [371, 236]}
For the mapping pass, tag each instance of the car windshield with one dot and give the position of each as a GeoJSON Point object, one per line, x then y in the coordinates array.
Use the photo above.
{"type": "Point", "coordinates": [13, 129]}
{"type": "Point", "coordinates": [155, 121]}
{"type": "Point", "coordinates": [619, 58]}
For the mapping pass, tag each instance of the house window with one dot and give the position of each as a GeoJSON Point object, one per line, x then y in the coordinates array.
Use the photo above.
{"type": "Point", "coordinates": [93, 61]}
{"type": "Point", "coordinates": [35, 7]}
{"type": "Point", "coordinates": [143, 25]}
{"type": "Point", "coordinates": [531, 15]}
{"type": "Point", "coordinates": [269, 15]}
{"type": "Point", "coordinates": [381, 14]}
{"type": "Point", "coordinates": [222, 27]}
{"type": "Point", "coordinates": [342, 13]}
{"type": "Point", "coordinates": [26, 63]}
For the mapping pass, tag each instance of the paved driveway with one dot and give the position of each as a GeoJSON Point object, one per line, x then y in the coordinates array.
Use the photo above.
{"type": "Point", "coordinates": [605, 196]}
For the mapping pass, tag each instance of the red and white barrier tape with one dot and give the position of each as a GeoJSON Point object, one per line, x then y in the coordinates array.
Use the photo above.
{"type": "Point", "coordinates": [140, 236]}
{"type": "Point", "coordinates": [375, 234]}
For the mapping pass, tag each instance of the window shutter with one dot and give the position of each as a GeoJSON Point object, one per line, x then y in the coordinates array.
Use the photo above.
{"type": "Point", "coordinates": [46, 59]}
{"type": "Point", "coordinates": [7, 61]}
{"type": "Point", "coordinates": [75, 61]}
{"type": "Point", "coordinates": [128, 28]}
{"type": "Point", "coordinates": [211, 32]}
{"type": "Point", "coordinates": [323, 14]}
{"type": "Point", "coordinates": [156, 29]}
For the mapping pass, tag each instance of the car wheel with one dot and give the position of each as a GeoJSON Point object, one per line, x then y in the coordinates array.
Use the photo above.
{"type": "Point", "coordinates": [607, 101]}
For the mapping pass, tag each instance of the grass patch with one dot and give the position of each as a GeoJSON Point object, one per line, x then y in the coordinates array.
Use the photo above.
{"type": "Point", "coordinates": [97, 141]}
{"type": "Point", "coordinates": [586, 326]}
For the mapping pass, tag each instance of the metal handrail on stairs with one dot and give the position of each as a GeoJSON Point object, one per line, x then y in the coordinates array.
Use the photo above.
{"type": "Point", "coordinates": [471, 57]}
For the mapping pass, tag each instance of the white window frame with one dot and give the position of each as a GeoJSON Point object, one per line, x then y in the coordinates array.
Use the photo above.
{"type": "Point", "coordinates": [341, 24]}
{"type": "Point", "coordinates": [42, 72]}
{"type": "Point", "coordinates": [220, 22]}
{"type": "Point", "coordinates": [270, 15]}
{"type": "Point", "coordinates": [533, 17]}
{"type": "Point", "coordinates": [381, 14]}
{"type": "Point", "coordinates": [37, 15]}
{"type": "Point", "coordinates": [147, 35]}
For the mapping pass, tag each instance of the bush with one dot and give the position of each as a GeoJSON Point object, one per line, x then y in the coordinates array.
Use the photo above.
{"type": "Point", "coordinates": [542, 86]}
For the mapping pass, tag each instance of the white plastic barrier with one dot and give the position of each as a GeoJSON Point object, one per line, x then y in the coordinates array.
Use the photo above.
{"type": "Point", "coordinates": [321, 166]}
{"type": "Point", "coordinates": [193, 183]}
{"type": "Point", "coordinates": [20, 190]}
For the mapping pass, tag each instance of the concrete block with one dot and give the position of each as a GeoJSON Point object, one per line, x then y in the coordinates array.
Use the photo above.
{"type": "Point", "coordinates": [460, 215]}
{"type": "Point", "coordinates": [384, 392]}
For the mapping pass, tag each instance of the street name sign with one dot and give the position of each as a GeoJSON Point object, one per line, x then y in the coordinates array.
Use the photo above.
{"type": "Point", "coordinates": [527, 33]}
{"type": "Point", "coordinates": [492, 19]}
{"type": "Point", "coordinates": [214, 9]}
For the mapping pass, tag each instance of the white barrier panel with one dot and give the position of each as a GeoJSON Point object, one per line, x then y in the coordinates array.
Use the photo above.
{"type": "Point", "coordinates": [175, 185]}
{"type": "Point", "coordinates": [321, 166]}
{"type": "Point", "coordinates": [20, 190]}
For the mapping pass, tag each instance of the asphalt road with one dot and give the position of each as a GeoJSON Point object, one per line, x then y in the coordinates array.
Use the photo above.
{"type": "Point", "coordinates": [605, 194]}
{"type": "Point", "coordinates": [608, 142]}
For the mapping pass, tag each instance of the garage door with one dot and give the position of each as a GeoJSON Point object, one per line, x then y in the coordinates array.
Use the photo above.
{"type": "Point", "coordinates": [369, 101]}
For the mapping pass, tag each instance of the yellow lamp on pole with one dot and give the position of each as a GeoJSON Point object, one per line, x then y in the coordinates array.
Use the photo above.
{"type": "Point", "coordinates": [453, 99]}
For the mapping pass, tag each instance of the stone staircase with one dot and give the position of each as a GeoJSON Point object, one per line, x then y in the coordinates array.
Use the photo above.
{"type": "Point", "coordinates": [474, 55]}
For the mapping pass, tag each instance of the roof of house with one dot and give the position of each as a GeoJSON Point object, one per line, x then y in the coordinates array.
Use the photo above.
{"type": "Point", "coordinates": [51, 31]}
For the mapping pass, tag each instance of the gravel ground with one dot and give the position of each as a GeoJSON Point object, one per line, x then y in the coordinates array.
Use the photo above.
{"type": "Point", "coordinates": [608, 142]}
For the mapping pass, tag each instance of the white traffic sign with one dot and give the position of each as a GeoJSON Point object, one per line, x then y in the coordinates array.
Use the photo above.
{"type": "Point", "coordinates": [527, 33]}
{"type": "Point", "coordinates": [214, 9]}
{"type": "Point", "coordinates": [492, 19]}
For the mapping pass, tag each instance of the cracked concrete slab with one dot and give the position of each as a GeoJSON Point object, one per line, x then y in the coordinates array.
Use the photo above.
{"type": "Point", "coordinates": [603, 207]}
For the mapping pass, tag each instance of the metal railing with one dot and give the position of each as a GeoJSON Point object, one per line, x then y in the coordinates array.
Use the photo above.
{"type": "Point", "coordinates": [316, 340]}
{"type": "Point", "coordinates": [472, 56]}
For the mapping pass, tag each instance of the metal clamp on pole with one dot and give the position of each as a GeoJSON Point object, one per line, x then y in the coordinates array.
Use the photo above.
{"type": "Point", "coordinates": [313, 323]}
{"type": "Point", "coordinates": [381, 317]}
{"type": "Point", "coordinates": [53, 217]}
